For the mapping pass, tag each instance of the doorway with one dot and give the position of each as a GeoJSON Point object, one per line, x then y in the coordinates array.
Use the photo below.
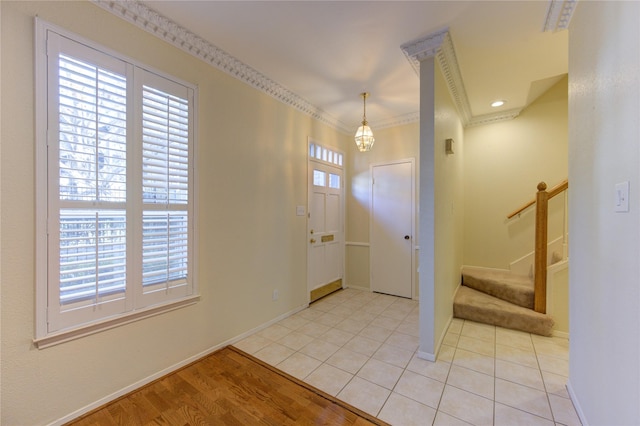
{"type": "Point", "coordinates": [325, 224]}
{"type": "Point", "coordinates": [392, 230]}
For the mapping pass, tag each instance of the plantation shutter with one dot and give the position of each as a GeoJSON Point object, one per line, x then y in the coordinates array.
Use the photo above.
{"type": "Point", "coordinates": [165, 187]}
{"type": "Point", "coordinates": [89, 163]}
{"type": "Point", "coordinates": [118, 161]}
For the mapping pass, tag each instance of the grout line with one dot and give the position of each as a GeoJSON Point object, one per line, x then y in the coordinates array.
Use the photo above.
{"type": "Point", "coordinates": [376, 315]}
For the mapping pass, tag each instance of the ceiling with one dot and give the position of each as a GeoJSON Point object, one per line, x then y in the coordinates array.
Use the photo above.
{"type": "Point", "coordinates": [328, 52]}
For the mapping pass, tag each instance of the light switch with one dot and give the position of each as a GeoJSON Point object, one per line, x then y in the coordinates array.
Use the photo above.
{"type": "Point", "coordinates": [300, 210]}
{"type": "Point", "coordinates": [622, 197]}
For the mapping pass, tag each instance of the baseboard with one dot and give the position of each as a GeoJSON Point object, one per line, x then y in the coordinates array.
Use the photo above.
{"type": "Point", "coordinates": [444, 331]}
{"type": "Point", "coordinates": [576, 404]}
{"type": "Point", "coordinates": [166, 371]}
{"type": "Point", "coordinates": [484, 268]}
{"type": "Point", "coordinates": [563, 334]}
{"type": "Point", "coordinates": [356, 287]}
{"type": "Point", "coordinates": [427, 356]}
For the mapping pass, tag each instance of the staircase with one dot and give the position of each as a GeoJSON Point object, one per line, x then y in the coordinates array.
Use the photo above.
{"type": "Point", "coordinates": [500, 298]}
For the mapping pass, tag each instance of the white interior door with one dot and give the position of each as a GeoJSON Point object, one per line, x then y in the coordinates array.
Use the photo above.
{"type": "Point", "coordinates": [392, 219]}
{"type": "Point", "coordinates": [325, 236]}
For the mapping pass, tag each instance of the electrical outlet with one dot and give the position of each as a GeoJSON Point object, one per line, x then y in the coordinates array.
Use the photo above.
{"type": "Point", "coordinates": [275, 295]}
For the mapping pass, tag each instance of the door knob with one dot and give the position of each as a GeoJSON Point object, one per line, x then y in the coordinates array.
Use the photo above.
{"type": "Point", "coordinates": [313, 240]}
{"type": "Point", "coordinates": [406, 237]}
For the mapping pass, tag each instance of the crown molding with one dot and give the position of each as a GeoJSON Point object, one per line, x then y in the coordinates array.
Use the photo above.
{"type": "Point", "coordinates": [440, 45]}
{"type": "Point", "coordinates": [481, 120]}
{"type": "Point", "coordinates": [449, 65]}
{"type": "Point", "coordinates": [151, 21]}
{"type": "Point", "coordinates": [559, 15]}
{"type": "Point", "coordinates": [423, 48]}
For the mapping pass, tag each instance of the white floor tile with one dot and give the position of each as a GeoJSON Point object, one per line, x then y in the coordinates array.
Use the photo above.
{"type": "Point", "coordinates": [330, 319]}
{"type": "Point", "coordinates": [375, 333]}
{"type": "Point", "coordinates": [252, 344]}
{"type": "Point", "coordinates": [319, 349]}
{"type": "Point", "coordinates": [467, 406]}
{"type": "Point", "coordinates": [380, 373]}
{"type": "Point", "coordinates": [313, 329]}
{"type": "Point", "coordinates": [364, 395]}
{"type": "Point", "coordinates": [444, 419]}
{"type": "Point", "coordinates": [474, 361]}
{"type": "Point", "coordinates": [471, 381]}
{"type": "Point", "coordinates": [514, 338]}
{"type": "Point", "coordinates": [554, 365]}
{"type": "Point", "coordinates": [337, 337]}
{"type": "Point", "coordinates": [295, 340]}
{"type": "Point", "coordinates": [516, 355]}
{"type": "Point", "coordinates": [402, 411]}
{"type": "Point", "coordinates": [362, 345]}
{"type": "Point", "coordinates": [509, 416]}
{"type": "Point", "coordinates": [362, 348]}
{"type": "Point", "coordinates": [420, 388]}
{"type": "Point", "coordinates": [476, 345]}
{"type": "Point", "coordinates": [274, 332]}
{"type": "Point", "coordinates": [294, 322]}
{"type": "Point", "coordinates": [299, 365]}
{"type": "Point", "coordinates": [393, 355]}
{"type": "Point", "coordinates": [348, 360]}
{"type": "Point", "coordinates": [520, 374]}
{"type": "Point", "coordinates": [403, 341]}
{"type": "Point", "coordinates": [438, 370]}
{"type": "Point", "coordinates": [329, 379]}
{"type": "Point", "coordinates": [410, 328]}
{"type": "Point", "coordinates": [523, 398]}
{"type": "Point", "coordinates": [274, 353]}
{"type": "Point", "coordinates": [479, 331]}
{"type": "Point", "coordinates": [555, 384]}
{"type": "Point", "coordinates": [563, 411]}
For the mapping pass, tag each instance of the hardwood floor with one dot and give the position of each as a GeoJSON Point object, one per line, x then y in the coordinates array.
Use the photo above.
{"type": "Point", "coordinates": [228, 387]}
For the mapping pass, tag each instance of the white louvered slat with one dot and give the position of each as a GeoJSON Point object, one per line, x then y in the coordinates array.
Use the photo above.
{"type": "Point", "coordinates": [92, 254]}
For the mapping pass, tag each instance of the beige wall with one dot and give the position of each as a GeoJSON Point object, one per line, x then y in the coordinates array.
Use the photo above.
{"type": "Point", "coordinates": [604, 149]}
{"type": "Point", "coordinates": [450, 205]}
{"type": "Point", "coordinates": [504, 162]}
{"type": "Point", "coordinates": [396, 143]}
{"type": "Point", "coordinates": [251, 175]}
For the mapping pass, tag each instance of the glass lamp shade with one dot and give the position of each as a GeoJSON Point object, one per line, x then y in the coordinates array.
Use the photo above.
{"type": "Point", "coordinates": [364, 138]}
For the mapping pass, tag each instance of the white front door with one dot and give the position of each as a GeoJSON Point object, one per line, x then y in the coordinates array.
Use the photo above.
{"type": "Point", "coordinates": [325, 230]}
{"type": "Point", "coordinates": [392, 219]}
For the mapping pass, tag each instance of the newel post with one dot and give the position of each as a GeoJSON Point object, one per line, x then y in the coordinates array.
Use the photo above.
{"type": "Point", "coordinates": [540, 261]}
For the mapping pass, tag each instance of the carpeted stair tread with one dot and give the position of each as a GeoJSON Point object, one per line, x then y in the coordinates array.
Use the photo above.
{"type": "Point", "coordinates": [477, 306]}
{"type": "Point", "coordinates": [517, 289]}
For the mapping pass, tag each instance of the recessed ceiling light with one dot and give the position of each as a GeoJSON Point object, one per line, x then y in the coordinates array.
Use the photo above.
{"type": "Point", "coordinates": [497, 104]}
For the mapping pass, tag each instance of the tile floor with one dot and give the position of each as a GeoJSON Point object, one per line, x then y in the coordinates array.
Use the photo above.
{"type": "Point", "coordinates": [361, 347]}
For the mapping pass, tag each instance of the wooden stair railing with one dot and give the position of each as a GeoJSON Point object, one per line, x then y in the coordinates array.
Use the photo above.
{"type": "Point", "coordinates": [540, 254]}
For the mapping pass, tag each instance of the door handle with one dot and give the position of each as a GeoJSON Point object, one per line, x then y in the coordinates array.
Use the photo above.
{"type": "Point", "coordinates": [406, 237]}
{"type": "Point", "coordinates": [313, 240]}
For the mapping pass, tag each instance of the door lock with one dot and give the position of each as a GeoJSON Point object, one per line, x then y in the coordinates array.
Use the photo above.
{"type": "Point", "coordinates": [312, 241]}
{"type": "Point", "coordinates": [406, 237]}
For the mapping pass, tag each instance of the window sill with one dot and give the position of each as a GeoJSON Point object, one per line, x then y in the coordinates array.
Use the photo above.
{"type": "Point", "coordinates": [82, 331]}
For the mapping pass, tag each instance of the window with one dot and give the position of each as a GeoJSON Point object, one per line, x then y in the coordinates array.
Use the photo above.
{"type": "Point", "coordinates": [326, 155]}
{"type": "Point", "coordinates": [116, 159]}
{"type": "Point", "coordinates": [319, 178]}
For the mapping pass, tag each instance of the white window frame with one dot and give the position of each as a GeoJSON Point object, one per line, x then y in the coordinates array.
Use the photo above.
{"type": "Point", "coordinates": [53, 324]}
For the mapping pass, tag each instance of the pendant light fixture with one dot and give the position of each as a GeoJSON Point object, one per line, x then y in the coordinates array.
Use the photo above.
{"type": "Point", "coordinates": [364, 135]}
